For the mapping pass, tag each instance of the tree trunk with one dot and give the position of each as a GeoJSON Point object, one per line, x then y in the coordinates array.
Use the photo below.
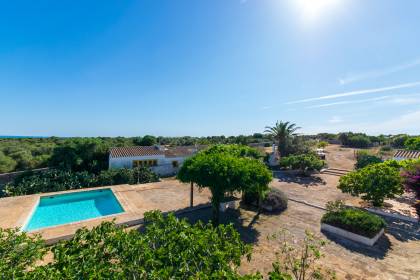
{"type": "Point", "coordinates": [192, 195]}
{"type": "Point", "coordinates": [215, 201]}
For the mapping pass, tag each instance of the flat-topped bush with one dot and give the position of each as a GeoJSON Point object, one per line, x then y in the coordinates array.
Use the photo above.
{"type": "Point", "coordinates": [355, 220]}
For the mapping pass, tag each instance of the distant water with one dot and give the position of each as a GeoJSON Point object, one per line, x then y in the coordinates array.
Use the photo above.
{"type": "Point", "coordinates": [17, 137]}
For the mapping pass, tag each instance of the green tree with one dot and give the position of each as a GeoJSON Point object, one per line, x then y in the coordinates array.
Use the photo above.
{"type": "Point", "coordinates": [412, 143]}
{"type": "Point", "coordinates": [363, 159]}
{"type": "Point", "coordinates": [304, 163]}
{"type": "Point", "coordinates": [322, 144]}
{"type": "Point", "coordinates": [373, 183]}
{"type": "Point", "coordinates": [147, 140]}
{"type": "Point", "coordinates": [81, 155]}
{"type": "Point", "coordinates": [7, 164]}
{"type": "Point", "coordinates": [223, 172]}
{"type": "Point", "coordinates": [282, 132]}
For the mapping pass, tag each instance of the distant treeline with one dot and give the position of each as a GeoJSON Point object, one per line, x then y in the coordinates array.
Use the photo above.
{"type": "Point", "coordinates": [91, 154]}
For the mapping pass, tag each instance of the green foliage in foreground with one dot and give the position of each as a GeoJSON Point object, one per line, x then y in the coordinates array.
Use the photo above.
{"type": "Point", "coordinates": [18, 251]}
{"type": "Point", "coordinates": [304, 162]}
{"type": "Point", "coordinates": [354, 220]}
{"type": "Point", "coordinates": [364, 159]}
{"type": "Point", "coordinates": [165, 248]}
{"type": "Point", "coordinates": [168, 248]}
{"type": "Point", "coordinates": [374, 182]}
{"type": "Point", "coordinates": [60, 180]}
{"type": "Point", "coordinates": [223, 171]}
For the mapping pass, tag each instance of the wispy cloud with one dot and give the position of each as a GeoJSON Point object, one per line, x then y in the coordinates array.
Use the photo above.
{"type": "Point", "coordinates": [357, 92]}
{"type": "Point", "coordinates": [348, 102]}
{"type": "Point", "coordinates": [405, 99]}
{"type": "Point", "coordinates": [377, 72]}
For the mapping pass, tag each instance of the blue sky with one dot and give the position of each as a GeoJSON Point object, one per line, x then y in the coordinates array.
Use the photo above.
{"type": "Point", "coordinates": [208, 67]}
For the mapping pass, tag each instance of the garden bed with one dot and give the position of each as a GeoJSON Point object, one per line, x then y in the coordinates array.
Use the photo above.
{"type": "Point", "coordinates": [354, 224]}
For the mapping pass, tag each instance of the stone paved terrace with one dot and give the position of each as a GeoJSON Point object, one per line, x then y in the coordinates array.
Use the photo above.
{"type": "Point", "coordinates": [136, 200]}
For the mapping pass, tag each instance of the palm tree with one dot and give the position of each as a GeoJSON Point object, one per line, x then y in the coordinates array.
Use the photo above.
{"type": "Point", "coordinates": [282, 132]}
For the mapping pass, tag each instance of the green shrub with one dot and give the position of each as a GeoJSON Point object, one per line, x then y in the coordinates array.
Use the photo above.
{"type": "Point", "coordinates": [54, 180]}
{"type": "Point", "coordinates": [355, 220]}
{"type": "Point", "coordinates": [364, 159]}
{"type": "Point", "coordinates": [167, 248]}
{"type": "Point", "coordinates": [374, 182]}
{"type": "Point", "coordinates": [304, 162]}
{"type": "Point", "coordinates": [412, 143]}
{"type": "Point", "coordinates": [17, 252]}
{"type": "Point", "coordinates": [386, 148]}
{"type": "Point", "coordinates": [275, 201]}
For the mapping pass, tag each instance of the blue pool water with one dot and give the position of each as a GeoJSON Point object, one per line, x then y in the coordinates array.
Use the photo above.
{"type": "Point", "coordinates": [72, 207]}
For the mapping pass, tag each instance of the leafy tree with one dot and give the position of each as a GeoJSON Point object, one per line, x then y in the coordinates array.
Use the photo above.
{"type": "Point", "coordinates": [235, 150]}
{"type": "Point", "coordinates": [364, 159]}
{"type": "Point", "coordinates": [147, 140]}
{"type": "Point", "coordinates": [282, 132]}
{"type": "Point", "coordinates": [7, 164]}
{"type": "Point", "coordinates": [322, 144]}
{"type": "Point", "coordinates": [304, 163]}
{"type": "Point", "coordinates": [412, 143]}
{"type": "Point", "coordinates": [224, 172]}
{"type": "Point", "coordinates": [81, 155]}
{"type": "Point", "coordinates": [374, 183]}
{"type": "Point", "coordinates": [354, 140]}
{"type": "Point", "coordinates": [398, 141]}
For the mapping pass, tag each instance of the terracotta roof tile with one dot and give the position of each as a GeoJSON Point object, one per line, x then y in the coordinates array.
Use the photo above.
{"type": "Point", "coordinates": [138, 151]}
{"type": "Point", "coordinates": [135, 151]}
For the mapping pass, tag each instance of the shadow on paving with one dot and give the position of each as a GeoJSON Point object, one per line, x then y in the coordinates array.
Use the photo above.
{"type": "Point", "coordinates": [305, 181]}
{"type": "Point", "coordinates": [403, 230]}
{"type": "Point", "coordinates": [377, 251]}
{"type": "Point", "coordinates": [246, 229]}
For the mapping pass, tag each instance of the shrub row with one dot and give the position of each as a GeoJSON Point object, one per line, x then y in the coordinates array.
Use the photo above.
{"type": "Point", "coordinates": [60, 180]}
{"type": "Point", "coordinates": [355, 220]}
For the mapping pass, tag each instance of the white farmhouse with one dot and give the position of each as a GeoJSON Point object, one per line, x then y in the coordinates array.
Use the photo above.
{"type": "Point", "coordinates": [164, 161]}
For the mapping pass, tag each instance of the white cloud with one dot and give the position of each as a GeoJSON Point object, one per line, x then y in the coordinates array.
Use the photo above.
{"type": "Point", "coordinates": [357, 92]}
{"type": "Point", "coordinates": [377, 73]}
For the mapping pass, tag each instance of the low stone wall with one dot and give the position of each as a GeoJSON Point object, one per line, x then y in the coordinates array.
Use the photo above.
{"type": "Point", "coordinates": [8, 177]}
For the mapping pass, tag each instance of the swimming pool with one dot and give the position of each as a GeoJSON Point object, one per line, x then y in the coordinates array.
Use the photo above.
{"type": "Point", "coordinates": [73, 207]}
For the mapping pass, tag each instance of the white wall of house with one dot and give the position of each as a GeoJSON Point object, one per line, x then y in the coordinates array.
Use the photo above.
{"type": "Point", "coordinates": [164, 166]}
{"type": "Point", "coordinates": [127, 162]}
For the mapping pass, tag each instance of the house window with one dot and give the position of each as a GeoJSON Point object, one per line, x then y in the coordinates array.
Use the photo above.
{"type": "Point", "coordinates": [144, 163]}
{"type": "Point", "coordinates": [175, 163]}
